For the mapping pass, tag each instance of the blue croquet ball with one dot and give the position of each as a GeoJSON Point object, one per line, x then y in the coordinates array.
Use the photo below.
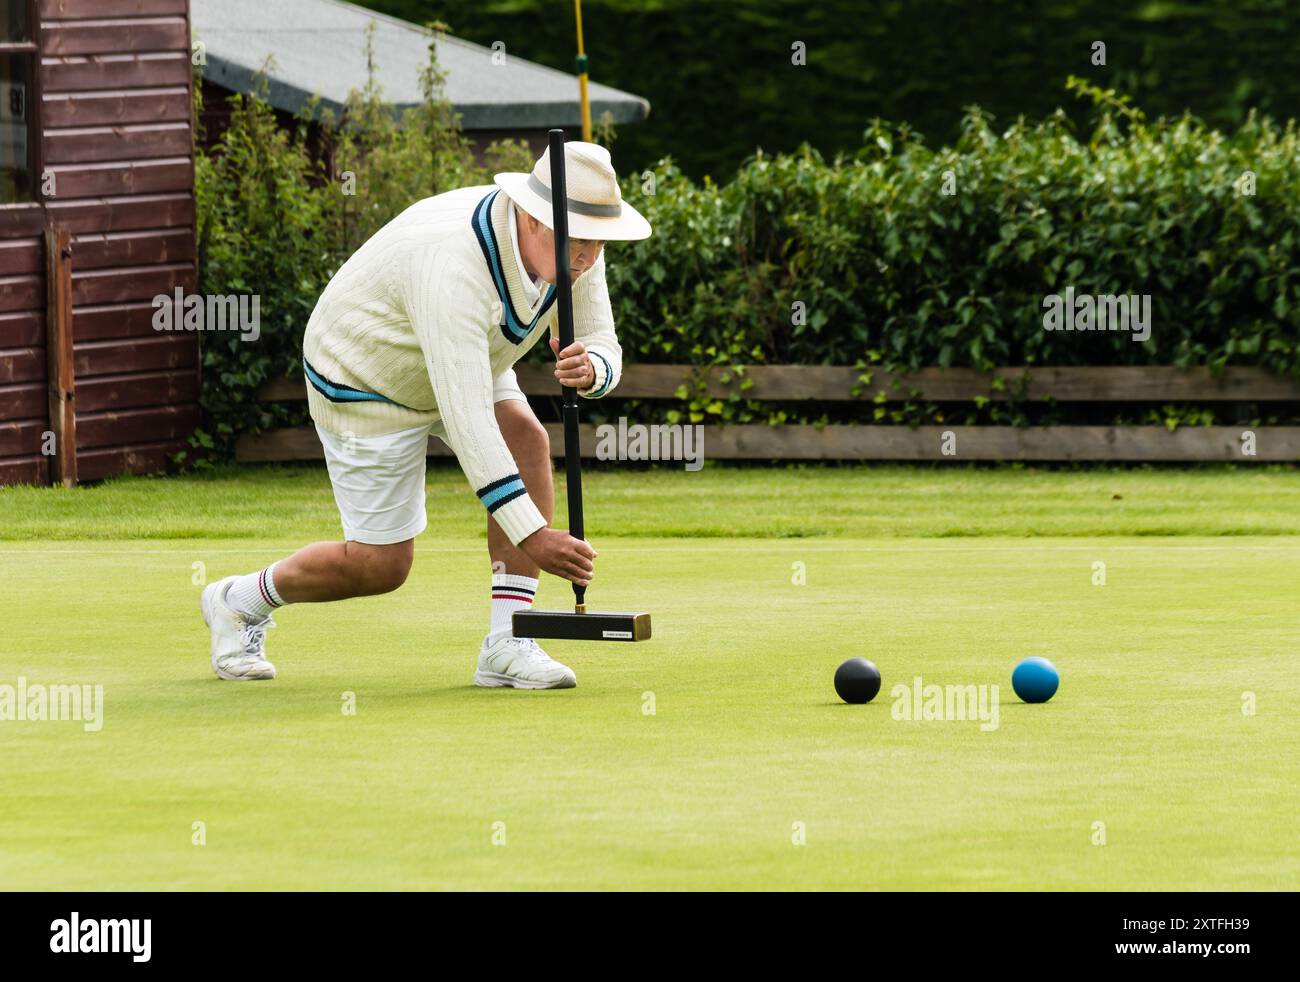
{"type": "Point", "coordinates": [1035, 679]}
{"type": "Point", "coordinates": [857, 680]}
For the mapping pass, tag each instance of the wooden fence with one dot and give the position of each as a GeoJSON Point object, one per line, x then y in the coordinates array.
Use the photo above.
{"type": "Point", "coordinates": [790, 383]}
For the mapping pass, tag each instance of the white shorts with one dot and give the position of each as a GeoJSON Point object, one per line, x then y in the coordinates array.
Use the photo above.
{"type": "Point", "coordinates": [379, 480]}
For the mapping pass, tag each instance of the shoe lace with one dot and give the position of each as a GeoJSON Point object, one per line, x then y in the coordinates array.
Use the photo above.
{"type": "Point", "coordinates": [533, 651]}
{"type": "Point", "coordinates": [253, 636]}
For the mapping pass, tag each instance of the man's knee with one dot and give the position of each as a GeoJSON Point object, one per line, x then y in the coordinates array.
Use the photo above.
{"type": "Point", "coordinates": [381, 569]}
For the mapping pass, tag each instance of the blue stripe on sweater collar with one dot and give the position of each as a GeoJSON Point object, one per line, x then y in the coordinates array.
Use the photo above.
{"type": "Point", "coordinates": [513, 326]}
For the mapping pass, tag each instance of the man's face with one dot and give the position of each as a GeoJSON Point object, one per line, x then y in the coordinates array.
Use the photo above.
{"type": "Point", "coordinates": [537, 249]}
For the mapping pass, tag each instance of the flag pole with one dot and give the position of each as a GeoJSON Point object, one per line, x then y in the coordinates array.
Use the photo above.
{"type": "Point", "coordinates": [580, 64]}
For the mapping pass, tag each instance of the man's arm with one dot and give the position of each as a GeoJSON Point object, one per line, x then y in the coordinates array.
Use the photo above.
{"type": "Point", "coordinates": [593, 326]}
{"type": "Point", "coordinates": [451, 316]}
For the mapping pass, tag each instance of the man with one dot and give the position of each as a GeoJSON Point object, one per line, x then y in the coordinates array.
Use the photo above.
{"type": "Point", "coordinates": [416, 335]}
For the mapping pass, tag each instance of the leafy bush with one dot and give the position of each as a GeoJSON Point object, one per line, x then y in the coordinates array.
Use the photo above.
{"type": "Point", "coordinates": [895, 273]}
{"type": "Point", "coordinates": [861, 261]}
{"type": "Point", "coordinates": [280, 210]}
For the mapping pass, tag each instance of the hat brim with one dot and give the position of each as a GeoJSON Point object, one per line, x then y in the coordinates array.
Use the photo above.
{"type": "Point", "coordinates": [630, 226]}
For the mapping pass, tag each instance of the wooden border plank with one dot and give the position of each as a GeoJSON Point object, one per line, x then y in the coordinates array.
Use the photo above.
{"type": "Point", "coordinates": [926, 443]}
{"type": "Point", "coordinates": [996, 443]}
{"type": "Point", "coordinates": [829, 383]}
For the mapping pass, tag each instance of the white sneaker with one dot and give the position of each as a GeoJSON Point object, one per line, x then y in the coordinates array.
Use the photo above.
{"type": "Point", "coordinates": [238, 643]}
{"type": "Point", "coordinates": [522, 664]}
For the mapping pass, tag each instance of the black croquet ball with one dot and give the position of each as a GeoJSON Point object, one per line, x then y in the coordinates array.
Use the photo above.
{"type": "Point", "coordinates": [857, 680]}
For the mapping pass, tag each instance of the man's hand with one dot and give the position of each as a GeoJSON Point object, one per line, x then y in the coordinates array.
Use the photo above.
{"type": "Point", "coordinates": [573, 365]}
{"type": "Point", "coordinates": [560, 554]}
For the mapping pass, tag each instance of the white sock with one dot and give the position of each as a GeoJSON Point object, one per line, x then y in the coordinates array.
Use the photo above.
{"type": "Point", "coordinates": [509, 593]}
{"type": "Point", "coordinates": [254, 595]}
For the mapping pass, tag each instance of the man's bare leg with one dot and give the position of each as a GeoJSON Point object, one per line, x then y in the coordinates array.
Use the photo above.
{"type": "Point", "coordinates": [237, 609]}
{"type": "Point", "coordinates": [505, 660]}
{"type": "Point", "coordinates": [326, 571]}
{"type": "Point", "coordinates": [514, 574]}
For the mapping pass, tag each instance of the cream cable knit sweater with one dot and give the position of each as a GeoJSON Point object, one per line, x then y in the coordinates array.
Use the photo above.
{"type": "Point", "coordinates": [417, 324]}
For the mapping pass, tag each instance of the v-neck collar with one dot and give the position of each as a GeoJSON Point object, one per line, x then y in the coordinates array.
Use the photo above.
{"type": "Point", "coordinates": [491, 226]}
{"type": "Point", "coordinates": [533, 285]}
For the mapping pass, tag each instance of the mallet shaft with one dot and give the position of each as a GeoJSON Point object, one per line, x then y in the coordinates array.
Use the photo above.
{"type": "Point", "coordinates": [564, 302]}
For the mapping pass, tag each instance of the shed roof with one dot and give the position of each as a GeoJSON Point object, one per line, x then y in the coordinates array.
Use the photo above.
{"type": "Point", "coordinates": [319, 48]}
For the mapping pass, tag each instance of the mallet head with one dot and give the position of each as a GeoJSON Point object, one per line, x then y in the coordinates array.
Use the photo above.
{"type": "Point", "coordinates": [592, 626]}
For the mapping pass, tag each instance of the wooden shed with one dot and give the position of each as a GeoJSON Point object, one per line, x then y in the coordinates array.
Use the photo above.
{"type": "Point", "coordinates": [96, 220]}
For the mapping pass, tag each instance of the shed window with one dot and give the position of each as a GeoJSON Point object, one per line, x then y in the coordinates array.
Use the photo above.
{"type": "Point", "coordinates": [17, 75]}
{"type": "Point", "coordinates": [17, 24]}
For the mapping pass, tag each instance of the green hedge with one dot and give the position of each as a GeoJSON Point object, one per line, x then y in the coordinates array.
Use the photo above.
{"type": "Point", "coordinates": [895, 273]}
{"type": "Point", "coordinates": [891, 271]}
{"type": "Point", "coordinates": [274, 221]}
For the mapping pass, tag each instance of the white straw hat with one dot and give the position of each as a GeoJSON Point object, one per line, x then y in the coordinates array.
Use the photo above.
{"type": "Point", "coordinates": [596, 206]}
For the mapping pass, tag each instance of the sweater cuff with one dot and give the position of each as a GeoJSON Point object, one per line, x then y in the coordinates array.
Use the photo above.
{"type": "Point", "coordinates": [604, 376]}
{"type": "Point", "coordinates": [508, 502]}
{"type": "Point", "coordinates": [519, 519]}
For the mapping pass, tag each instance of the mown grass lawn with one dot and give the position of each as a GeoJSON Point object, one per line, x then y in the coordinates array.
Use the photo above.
{"type": "Point", "coordinates": [717, 754]}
